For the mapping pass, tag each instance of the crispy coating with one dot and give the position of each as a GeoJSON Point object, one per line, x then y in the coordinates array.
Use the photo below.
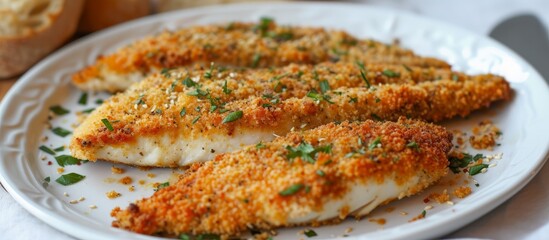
{"type": "Point", "coordinates": [244, 189]}
{"type": "Point", "coordinates": [154, 108]}
{"type": "Point", "coordinates": [240, 45]}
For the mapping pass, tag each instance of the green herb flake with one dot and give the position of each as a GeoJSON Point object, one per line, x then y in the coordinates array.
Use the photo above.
{"type": "Point", "coordinates": [107, 124]}
{"type": "Point", "coordinates": [184, 237]}
{"type": "Point", "coordinates": [407, 68]}
{"type": "Point", "coordinates": [188, 82]}
{"type": "Point", "coordinates": [363, 75]}
{"type": "Point", "coordinates": [320, 173]}
{"type": "Point", "coordinates": [226, 90]}
{"type": "Point", "coordinates": [413, 145]}
{"type": "Point", "coordinates": [195, 119]}
{"type": "Point", "coordinates": [455, 77]}
{"type": "Point", "coordinates": [474, 170]}
{"type": "Point", "coordinates": [183, 112]}
{"type": "Point", "coordinates": [324, 86]}
{"type": "Point", "coordinates": [390, 73]}
{"type": "Point", "coordinates": [233, 117]}
{"type": "Point", "coordinates": [208, 236]}
{"type": "Point", "coordinates": [378, 100]}
{"type": "Point", "coordinates": [376, 117]}
{"type": "Point", "coordinates": [58, 110]}
{"type": "Point", "coordinates": [209, 73]}
{"type": "Point", "coordinates": [99, 101]}
{"type": "Point", "coordinates": [166, 72]}
{"type": "Point", "coordinates": [310, 233]}
{"type": "Point", "coordinates": [47, 179]}
{"type": "Point", "coordinates": [69, 179]}
{"type": "Point", "coordinates": [374, 143]}
{"type": "Point", "coordinates": [263, 25]}
{"type": "Point", "coordinates": [306, 151]}
{"type": "Point", "coordinates": [88, 110]}
{"type": "Point", "coordinates": [260, 145]}
{"type": "Point", "coordinates": [255, 60]}
{"type": "Point", "coordinates": [47, 150]}
{"type": "Point", "coordinates": [291, 190]}
{"type": "Point", "coordinates": [59, 131]}
{"type": "Point", "coordinates": [59, 149]}
{"type": "Point", "coordinates": [83, 99]}
{"type": "Point", "coordinates": [423, 213]}
{"type": "Point", "coordinates": [353, 99]}
{"type": "Point", "coordinates": [65, 160]}
{"type": "Point", "coordinates": [162, 185]}
{"type": "Point", "coordinates": [46, 182]}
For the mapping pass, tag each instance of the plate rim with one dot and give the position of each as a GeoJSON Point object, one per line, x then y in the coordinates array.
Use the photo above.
{"type": "Point", "coordinates": [75, 229]}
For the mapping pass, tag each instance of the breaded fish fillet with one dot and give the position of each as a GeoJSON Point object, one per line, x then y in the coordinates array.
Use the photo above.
{"type": "Point", "coordinates": [164, 122]}
{"type": "Point", "coordinates": [309, 178]}
{"type": "Point", "coordinates": [239, 45]}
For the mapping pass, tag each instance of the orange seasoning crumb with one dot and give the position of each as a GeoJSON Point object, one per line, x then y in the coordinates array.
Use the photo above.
{"type": "Point", "coordinates": [60, 170]}
{"type": "Point", "coordinates": [462, 192]}
{"type": "Point", "coordinates": [141, 182]}
{"type": "Point", "coordinates": [484, 135]}
{"type": "Point", "coordinates": [126, 180]}
{"type": "Point", "coordinates": [151, 175]}
{"type": "Point", "coordinates": [131, 188]}
{"type": "Point", "coordinates": [440, 197]}
{"type": "Point", "coordinates": [113, 194]}
{"type": "Point", "coordinates": [390, 209]}
{"type": "Point", "coordinates": [418, 217]}
{"type": "Point", "coordinates": [116, 170]}
{"type": "Point", "coordinates": [380, 221]}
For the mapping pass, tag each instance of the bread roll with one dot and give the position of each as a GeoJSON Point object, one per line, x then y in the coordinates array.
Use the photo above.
{"type": "Point", "coordinates": [99, 14]}
{"type": "Point", "coordinates": [30, 29]}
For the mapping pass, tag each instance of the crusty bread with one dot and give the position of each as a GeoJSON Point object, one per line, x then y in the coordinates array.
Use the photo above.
{"type": "Point", "coordinates": [30, 29]}
{"type": "Point", "coordinates": [99, 14]}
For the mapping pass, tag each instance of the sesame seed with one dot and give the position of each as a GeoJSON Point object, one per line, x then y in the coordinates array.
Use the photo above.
{"type": "Point", "coordinates": [428, 207]}
{"type": "Point", "coordinates": [73, 202]}
{"type": "Point", "coordinates": [484, 170]}
{"type": "Point", "coordinates": [450, 203]}
{"type": "Point", "coordinates": [403, 213]}
{"type": "Point", "coordinates": [303, 125]}
{"type": "Point", "coordinates": [232, 74]}
{"type": "Point", "coordinates": [293, 128]}
{"type": "Point", "coordinates": [348, 230]}
{"type": "Point", "coordinates": [492, 165]}
{"type": "Point", "coordinates": [93, 206]}
{"type": "Point", "coordinates": [144, 106]}
{"type": "Point", "coordinates": [81, 199]}
{"type": "Point", "coordinates": [274, 134]}
{"type": "Point", "coordinates": [65, 194]}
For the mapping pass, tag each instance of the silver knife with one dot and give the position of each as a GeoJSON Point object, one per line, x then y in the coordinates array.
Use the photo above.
{"type": "Point", "coordinates": [527, 36]}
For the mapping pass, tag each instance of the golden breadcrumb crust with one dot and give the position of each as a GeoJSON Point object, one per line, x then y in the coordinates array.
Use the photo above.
{"type": "Point", "coordinates": [244, 189]}
{"type": "Point", "coordinates": [246, 45]}
{"type": "Point", "coordinates": [154, 106]}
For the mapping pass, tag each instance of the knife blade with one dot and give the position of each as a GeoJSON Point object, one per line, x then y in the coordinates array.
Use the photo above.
{"type": "Point", "coordinates": [527, 36]}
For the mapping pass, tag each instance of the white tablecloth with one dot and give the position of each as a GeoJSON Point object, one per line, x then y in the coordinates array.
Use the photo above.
{"type": "Point", "coordinates": [525, 216]}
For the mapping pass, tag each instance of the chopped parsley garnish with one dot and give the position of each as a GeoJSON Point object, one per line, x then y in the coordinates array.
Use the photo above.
{"type": "Point", "coordinates": [353, 99]}
{"type": "Point", "coordinates": [184, 237]}
{"type": "Point", "coordinates": [390, 73]}
{"type": "Point", "coordinates": [183, 112]}
{"type": "Point", "coordinates": [188, 82]}
{"type": "Point", "coordinates": [474, 170]}
{"type": "Point", "coordinates": [363, 73]}
{"type": "Point", "coordinates": [457, 163]}
{"type": "Point", "coordinates": [69, 179]}
{"type": "Point", "coordinates": [455, 77]}
{"type": "Point", "coordinates": [423, 213]}
{"type": "Point", "coordinates": [166, 72]}
{"type": "Point", "coordinates": [47, 179]}
{"type": "Point", "coordinates": [317, 97]}
{"type": "Point", "coordinates": [376, 117]}
{"type": "Point", "coordinates": [310, 233]}
{"type": "Point", "coordinates": [378, 100]}
{"type": "Point", "coordinates": [256, 59]}
{"type": "Point", "coordinates": [47, 150]}
{"type": "Point", "coordinates": [279, 87]}
{"type": "Point", "coordinates": [291, 190]}
{"type": "Point", "coordinates": [208, 236]}
{"type": "Point", "coordinates": [226, 90]}
{"type": "Point", "coordinates": [107, 124]}
{"type": "Point", "coordinates": [233, 117]}
{"type": "Point", "coordinates": [58, 110]}
{"type": "Point", "coordinates": [263, 25]}
{"type": "Point", "coordinates": [46, 182]}
{"type": "Point", "coordinates": [374, 143]}
{"type": "Point", "coordinates": [162, 185]}
{"type": "Point", "coordinates": [59, 149]}
{"type": "Point", "coordinates": [99, 101]}
{"type": "Point", "coordinates": [65, 160]}
{"type": "Point", "coordinates": [139, 100]}
{"type": "Point", "coordinates": [407, 68]}
{"type": "Point", "coordinates": [209, 73]}
{"type": "Point", "coordinates": [198, 93]}
{"type": "Point", "coordinates": [88, 110]}
{"type": "Point", "coordinates": [413, 145]}
{"type": "Point", "coordinates": [59, 131]}
{"type": "Point", "coordinates": [195, 119]}
{"type": "Point", "coordinates": [83, 99]}
{"type": "Point", "coordinates": [260, 145]}
{"type": "Point", "coordinates": [320, 173]}
{"type": "Point", "coordinates": [306, 151]}
{"type": "Point", "coordinates": [324, 86]}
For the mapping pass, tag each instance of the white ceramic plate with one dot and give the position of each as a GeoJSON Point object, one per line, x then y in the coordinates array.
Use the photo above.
{"type": "Point", "coordinates": [24, 112]}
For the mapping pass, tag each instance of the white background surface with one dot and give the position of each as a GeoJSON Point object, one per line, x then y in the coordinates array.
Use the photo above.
{"type": "Point", "coordinates": [525, 216]}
